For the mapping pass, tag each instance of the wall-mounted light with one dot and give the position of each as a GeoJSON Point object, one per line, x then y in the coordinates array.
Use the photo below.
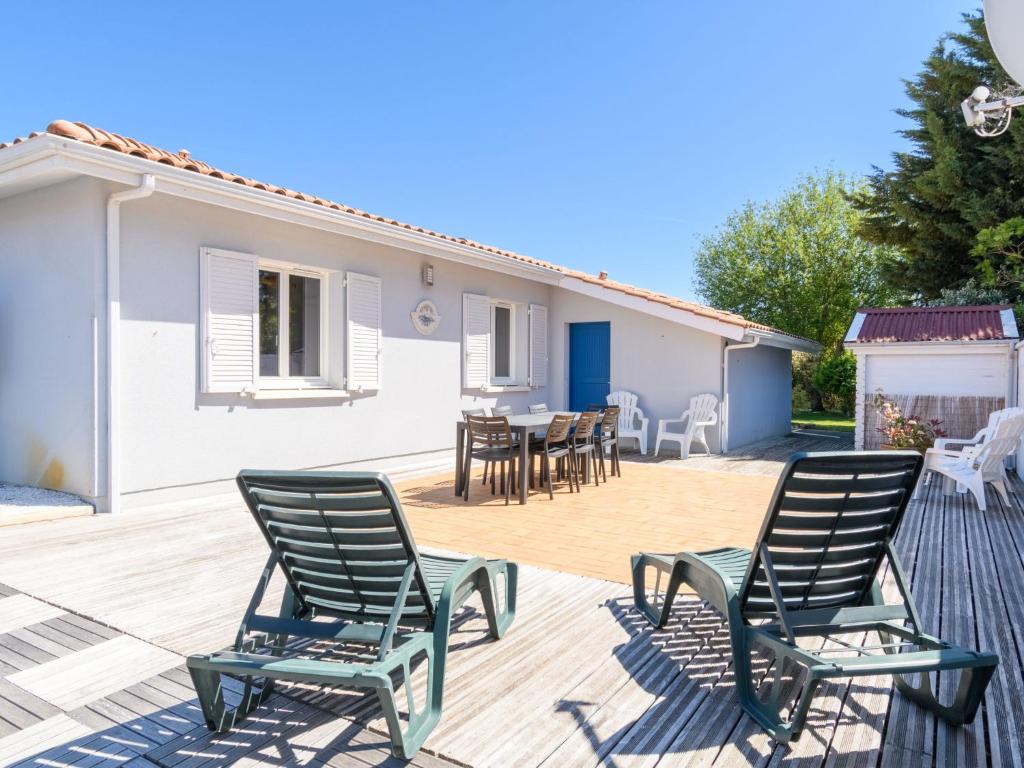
{"type": "Point", "coordinates": [428, 274]}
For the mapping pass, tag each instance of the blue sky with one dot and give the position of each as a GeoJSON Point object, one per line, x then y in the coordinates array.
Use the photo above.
{"type": "Point", "coordinates": [597, 135]}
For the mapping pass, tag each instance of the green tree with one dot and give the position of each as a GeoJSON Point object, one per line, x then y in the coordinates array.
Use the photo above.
{"type": "Point", "coordinates": [836, 379]}
{"type": "Point", "coordinates": [796, 263]}
{"type": "Point", "coordinates": [951, 184]}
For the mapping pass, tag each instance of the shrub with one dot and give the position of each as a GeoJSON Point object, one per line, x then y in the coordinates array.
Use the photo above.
{"type": "Point", "coordinates": [805, 396]}
{"type": "Point", "coordinates": [905, 431]}
{"type": "Point", "coordinates": [836, 379]}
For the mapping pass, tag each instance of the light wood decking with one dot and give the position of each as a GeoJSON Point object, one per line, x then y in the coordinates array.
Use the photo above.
{"type": "Point", "coordinates": [578, 681]}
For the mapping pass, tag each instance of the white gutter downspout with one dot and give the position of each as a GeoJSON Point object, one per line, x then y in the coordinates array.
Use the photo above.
{"type": "Point", "coordinates": [145, 189]}
{"type": "Point", "coordinates": [724, 420]}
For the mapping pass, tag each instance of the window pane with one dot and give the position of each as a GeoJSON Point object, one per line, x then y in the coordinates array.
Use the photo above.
{"type": "Point", "coordinates": [303, 326]}
{"type": "Point", "coordinates": [502, 342]}
{"type": "Point", "coordinates": [270, 322]}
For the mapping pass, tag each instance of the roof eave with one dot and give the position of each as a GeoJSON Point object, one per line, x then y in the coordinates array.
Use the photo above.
{"type": "Point", "coordinates": [66, 158]}
{"type": "Point", "coordinates": [784, 340]}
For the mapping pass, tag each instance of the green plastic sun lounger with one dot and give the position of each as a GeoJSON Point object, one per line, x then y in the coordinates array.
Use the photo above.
{"type": "Point", "coordinates": [809, 591]}
{"type": "Point", "coordinates": [356, 582]}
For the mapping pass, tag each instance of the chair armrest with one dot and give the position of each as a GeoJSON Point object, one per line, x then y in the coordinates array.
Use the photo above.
{"type": "Point", "coordinates": [943, 442]}
{"type": "Point", "coordinates": [945, 453]}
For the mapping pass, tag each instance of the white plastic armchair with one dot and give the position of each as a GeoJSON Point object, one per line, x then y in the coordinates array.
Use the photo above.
{"type": "Point", "coordinates": [702, 413]}
{"type": "Point", "coordinates": [632, 422]}
{"type": "Point", "coordinates": [976, 466]}
{"type": "Point", "coordinates": [946, 447]}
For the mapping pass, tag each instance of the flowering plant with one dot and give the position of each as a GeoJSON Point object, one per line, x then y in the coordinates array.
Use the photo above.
{"type": "Point", "coordinates": [906, 431]}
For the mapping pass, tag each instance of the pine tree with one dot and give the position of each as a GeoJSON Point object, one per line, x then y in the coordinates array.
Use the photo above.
{"type": "Point", "coordinates": [952, 184]}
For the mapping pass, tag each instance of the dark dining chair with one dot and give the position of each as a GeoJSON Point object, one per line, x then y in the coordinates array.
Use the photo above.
{"type": "Point", "coordinates": [490, 440]}
{"type": "Point", "coordinates": [479, 412]}
{"type": "Point", "coordinates": [607, 437]}
{"type": "Point", "coordinates": [556, 446]}
{"type": "Point", "coordinates": [583, 446]}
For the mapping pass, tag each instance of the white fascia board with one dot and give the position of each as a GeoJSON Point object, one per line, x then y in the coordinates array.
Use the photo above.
{"type": "Point", "coordinates": [27, 169]}
{"type": "Point", "coordinates": [1009, 324]}
{"type": "Point", "coordinates": [88, 160]}
{"type": "Point", "coordinates": [653, 308]}
{"type": "Point", "coordinates": [987, 347]}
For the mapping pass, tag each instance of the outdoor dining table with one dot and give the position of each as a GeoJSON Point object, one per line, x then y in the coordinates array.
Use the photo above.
{"type": "Point", "coordinates": [522, 426]}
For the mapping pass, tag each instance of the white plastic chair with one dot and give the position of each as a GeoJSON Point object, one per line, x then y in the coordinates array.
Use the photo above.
{"type": "Point", "coordinates": [978, 465]}
{"type": "Point", "coordinates": [702, 413]}
{"type": "Point", "coordinates": [632, 422]}
{"type": "Point", "coordinates": [944, 446]}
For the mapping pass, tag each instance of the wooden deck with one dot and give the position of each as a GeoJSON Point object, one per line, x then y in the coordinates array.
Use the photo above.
{"type": "Point", "coordinates": [97, 613]}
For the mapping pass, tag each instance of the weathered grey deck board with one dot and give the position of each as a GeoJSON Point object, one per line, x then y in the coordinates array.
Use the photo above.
{"type": "Point", "coordinates": [579, 680]}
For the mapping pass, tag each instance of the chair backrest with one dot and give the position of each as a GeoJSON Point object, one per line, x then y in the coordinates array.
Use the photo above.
{"type": "Point", "coordinates": [997, 417]}
{"type": "Point", "coordinates": [826, 528]}
{"type": "Point", "coordinates": [558, 429]}
{"type": "Point", "coordinates": [1003, 440]}
{"type": "Point", "coordinates": [501, 410]}
{"type": "Point", "coordinates": [473, 412]}
{"type": "Point", "coordinates": [703, 409]}
{"type": "Point", "coordinates": [627, 403]}
{"type": "Point", "coordinates": [610, 420]}
{"type": "Point", "coordinates": [489, 430]}
{"type": "Point", "coordinates": [585, 428]}
{"type": "Point", "coordinates": [342, 541]}
{"type": "Point", "coordinates": [539, 408]}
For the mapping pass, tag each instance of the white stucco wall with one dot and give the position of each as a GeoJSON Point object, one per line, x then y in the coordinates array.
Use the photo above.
{"type": "Point", "coordinates": [663, 362]}
{"type": "Point", "coordinates": [50, 248]}
{"type": "Point", "coordinates": [174, 436]}
{"type": "Point", "coordinates": [760, 394]}
{"type": "Point", "coordinates": [178, 442]}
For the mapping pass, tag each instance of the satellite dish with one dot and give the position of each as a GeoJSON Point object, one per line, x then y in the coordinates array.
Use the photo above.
{"type": "Point", "coordinates": [1004, 22]}
{"type": "Point", "coordinates": [988, 113]}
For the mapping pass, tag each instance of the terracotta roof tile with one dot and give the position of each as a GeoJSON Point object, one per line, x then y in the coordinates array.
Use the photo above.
{"type": "Point", "coordinates": [884, 325]}
{"type": "Point", "coordinates": [97, 137]}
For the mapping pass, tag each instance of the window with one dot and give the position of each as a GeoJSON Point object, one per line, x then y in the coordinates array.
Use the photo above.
{"type": "Point", "coordinates": [291, 316]}
{"type": "Point", "coordinates": [264, 327]}
{"type": "Point", "coordinates": [502, 342]}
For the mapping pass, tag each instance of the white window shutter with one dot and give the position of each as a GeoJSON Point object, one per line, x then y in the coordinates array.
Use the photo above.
{"type": "Point", "coordinates": [365, 332]}
{"type": "Point", "coordinates": [538, 345]}
{"type": "Point", "coordinates": [476, 340]}
{"type": "Point", "coordinates": [229, 286]}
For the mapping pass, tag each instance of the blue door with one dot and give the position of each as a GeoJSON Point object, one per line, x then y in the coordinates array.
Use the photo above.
{"type": "Point", "coordinates": [590, 364]}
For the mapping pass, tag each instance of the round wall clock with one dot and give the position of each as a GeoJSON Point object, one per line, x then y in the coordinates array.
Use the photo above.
{"type": "Point", "coordinates": [425, 318]}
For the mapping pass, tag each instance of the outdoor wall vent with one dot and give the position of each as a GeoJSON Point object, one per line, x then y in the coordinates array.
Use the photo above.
{"type": "Point", "coordinates": [428, 274]}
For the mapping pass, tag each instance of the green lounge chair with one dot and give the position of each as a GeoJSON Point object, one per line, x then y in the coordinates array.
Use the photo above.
{"type": "Point", "coordinates": [814, 574]}
{"type": "Point", "coordinates": [343, 544]}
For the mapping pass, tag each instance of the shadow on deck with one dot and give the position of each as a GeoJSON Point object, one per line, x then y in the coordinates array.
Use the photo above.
{"type": "Point", "coordinates": [580, 680]}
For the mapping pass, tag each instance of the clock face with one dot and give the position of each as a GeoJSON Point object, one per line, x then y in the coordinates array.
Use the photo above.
{"type": "Point", "coordinates": [425, 318]}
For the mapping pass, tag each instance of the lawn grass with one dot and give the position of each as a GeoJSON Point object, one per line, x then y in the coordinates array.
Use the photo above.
{"type": "Point", "coordinates": [823, 420]}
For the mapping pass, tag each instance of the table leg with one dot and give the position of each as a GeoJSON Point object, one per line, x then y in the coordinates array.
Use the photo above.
{"type": "Point", "coordinates": [460, 458]}
{"type": "Point", "coordinates": [524, 461]}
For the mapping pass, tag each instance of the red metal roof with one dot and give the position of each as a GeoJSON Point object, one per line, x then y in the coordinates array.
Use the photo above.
{"type": "Point", "coordinates": [916, 324]}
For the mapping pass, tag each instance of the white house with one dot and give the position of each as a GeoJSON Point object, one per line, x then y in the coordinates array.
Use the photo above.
{"type": "Point", "coordinates": [956, 364]}
{"type": "Point", "coordinates": [164, 324]}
